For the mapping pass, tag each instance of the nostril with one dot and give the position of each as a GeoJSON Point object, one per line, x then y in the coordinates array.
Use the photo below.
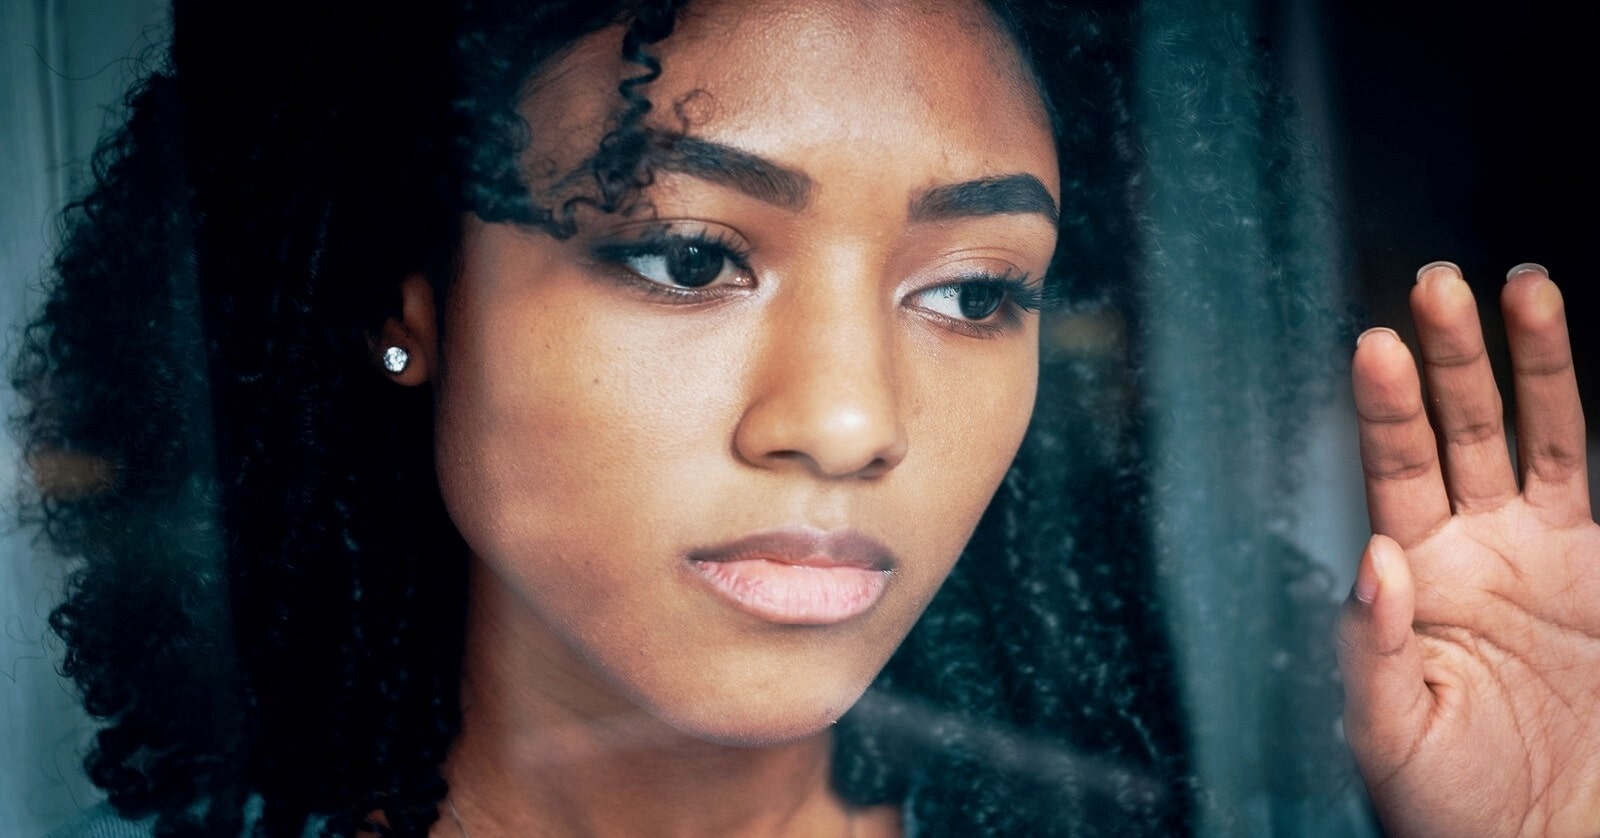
{"type": "Point", "coordinates": [875, 469]}
{"type": "Point", "coordinates": [872, 469]}
{"type": "Point", "coordinates": [810, 417]}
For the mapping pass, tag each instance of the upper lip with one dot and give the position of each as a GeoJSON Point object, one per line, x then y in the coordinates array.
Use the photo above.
{"type": "Point", "coordinates": [803, 546]}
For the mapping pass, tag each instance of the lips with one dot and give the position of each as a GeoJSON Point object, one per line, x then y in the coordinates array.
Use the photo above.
{"type": "Point", "coordinates": [798, 576]}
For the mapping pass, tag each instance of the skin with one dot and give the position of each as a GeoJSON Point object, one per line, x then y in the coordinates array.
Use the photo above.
{"type": "Point", "coordinates": [590, 432]}
{"type": "Point", "coordinates": [1471, 643]}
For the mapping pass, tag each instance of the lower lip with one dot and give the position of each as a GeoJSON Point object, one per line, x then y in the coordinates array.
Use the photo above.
{"type": "Point", "coordinates": [804, 595]}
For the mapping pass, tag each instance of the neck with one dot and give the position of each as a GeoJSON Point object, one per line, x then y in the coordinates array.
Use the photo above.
{"type": "Point", "coordinates": [546, 748]}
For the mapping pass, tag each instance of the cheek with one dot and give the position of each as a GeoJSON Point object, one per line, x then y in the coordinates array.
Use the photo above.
{"type": "Point", "coordinates": [1002, 407]}
{"type": "Point", "coordinates": [968, 415]}
{"type": "Point", "coordinates": [972, 411]}
{"type": "Point", "coordinates": [573, 433]}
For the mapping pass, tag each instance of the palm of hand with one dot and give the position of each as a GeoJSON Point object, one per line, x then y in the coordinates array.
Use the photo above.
{"type": "Point", "coordinates": [1511, 661]}
{"type": "Point", "coordinates": [1471, 648]}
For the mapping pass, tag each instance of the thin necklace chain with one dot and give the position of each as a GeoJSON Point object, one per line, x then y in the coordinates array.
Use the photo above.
{"type": "Point", "coordinates": [850, 820]}
{"type": "Point", "coordinates": [456, 816]}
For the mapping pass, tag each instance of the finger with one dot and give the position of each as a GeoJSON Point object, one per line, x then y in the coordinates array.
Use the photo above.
{"type": "Point", "coordinates": [1406, 498]}
{"type": "Point", "coordinates": [1550, 433]}
{"type": "Point", "coordinates": [1467, 411]}
{"type": "Point", "coordinates": [1387, 703]}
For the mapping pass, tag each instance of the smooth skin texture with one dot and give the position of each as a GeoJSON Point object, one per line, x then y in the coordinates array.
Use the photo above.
{"type": "Point", "coordinates": [593, 429]}
{"type": "Point", "coordinates": [1471, 643]}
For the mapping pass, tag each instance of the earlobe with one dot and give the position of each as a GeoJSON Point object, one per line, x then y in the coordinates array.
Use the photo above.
{"type": "Point", "coordinates": [406, 348]}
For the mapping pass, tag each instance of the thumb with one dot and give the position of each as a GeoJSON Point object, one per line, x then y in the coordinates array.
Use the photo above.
{"type": "Point", "coordinates": [1387, 703]}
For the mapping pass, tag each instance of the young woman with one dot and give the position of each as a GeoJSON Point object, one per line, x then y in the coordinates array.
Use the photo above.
{"type": "Point", "coordinates": [541, 418]}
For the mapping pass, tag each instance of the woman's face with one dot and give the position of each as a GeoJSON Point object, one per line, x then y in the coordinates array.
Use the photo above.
{"type": "Point", "coordinates": [714, 457]}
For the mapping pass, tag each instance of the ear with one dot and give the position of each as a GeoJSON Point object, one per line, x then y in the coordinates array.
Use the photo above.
{"type": "Point", "coordinates": [415, 331]}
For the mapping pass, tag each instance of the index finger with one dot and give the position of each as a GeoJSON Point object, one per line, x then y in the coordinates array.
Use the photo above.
{"type": "Point", "coordinates": [1406, 497]}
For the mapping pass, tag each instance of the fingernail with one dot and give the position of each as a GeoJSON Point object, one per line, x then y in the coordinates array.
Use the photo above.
{"type": "Point", "coordinates": [1375, 330]}
{"type": "Point", "coordinates": [1527, 268]}
{"type": "Point", "coordinates": [1367, 575]}
{"type": "Point", "coordinates": [1440, 264]}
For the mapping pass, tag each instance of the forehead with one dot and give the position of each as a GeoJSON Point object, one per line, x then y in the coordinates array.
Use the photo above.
{"type": "Point", "coordinates": [936, 83]}
{"type": "Point", "coordinates": [945, 58]}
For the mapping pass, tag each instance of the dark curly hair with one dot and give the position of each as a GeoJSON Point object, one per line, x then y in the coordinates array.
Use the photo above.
{"type": "Point", "coordinates": [271, 600]}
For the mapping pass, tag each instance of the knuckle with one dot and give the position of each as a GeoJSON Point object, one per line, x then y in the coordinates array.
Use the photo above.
{"type": "Point", "coordinates": [1475, 430]}
{"type": "Point", "coordinates": [1389, 413]}
{"type": "Point", "coordinates": [1555, 462]}
{"type": "Point", "coordinates": [1546, 364]}
{"type": "Point", "coordinates": [1449, 358]}
{"type": "Point", "coordinates": [1395, 467]}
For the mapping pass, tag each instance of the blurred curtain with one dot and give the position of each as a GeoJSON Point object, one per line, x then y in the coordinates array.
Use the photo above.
{"type": "Point", "coordinates": [1255, 518]}
{"type": "Point", "coordinates": [63, 64]}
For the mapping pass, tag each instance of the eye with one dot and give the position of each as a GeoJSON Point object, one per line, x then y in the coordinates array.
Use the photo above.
{"type": "Point", "coordinates": [964, 300]}
{"type": "Point", "coordinates": [681, 263]}
{"type": "Point", "coordinates": [678, 263]}
{"type": "Point", "coordinates": [981, 306]}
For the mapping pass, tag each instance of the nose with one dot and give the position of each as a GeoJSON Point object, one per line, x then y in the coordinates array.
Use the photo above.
{"type": "Point", "coordinates": [825, 398]}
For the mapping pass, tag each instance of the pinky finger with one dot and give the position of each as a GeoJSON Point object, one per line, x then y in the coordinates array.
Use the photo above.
{"type": "Point", "coordinates": [1550, 427]}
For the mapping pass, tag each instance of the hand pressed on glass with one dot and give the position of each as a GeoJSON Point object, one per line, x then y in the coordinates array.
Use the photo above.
{"type": "Point", "coordinates": [1471, 643]}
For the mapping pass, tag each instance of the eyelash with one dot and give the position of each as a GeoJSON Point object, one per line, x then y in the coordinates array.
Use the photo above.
{"type": "Point", "coordinates": [1021, 294]}
{"type": "Point", "coordinates": [662, 242]}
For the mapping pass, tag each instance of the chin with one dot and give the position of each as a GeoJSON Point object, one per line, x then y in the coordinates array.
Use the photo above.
{"type": "Point", "coordinates": [763, 724]}
{"type": "Point", "coordinates": [758, 733]}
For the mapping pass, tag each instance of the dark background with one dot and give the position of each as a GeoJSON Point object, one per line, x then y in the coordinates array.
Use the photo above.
{"type": "Point", "coordinates": [1462, 131]}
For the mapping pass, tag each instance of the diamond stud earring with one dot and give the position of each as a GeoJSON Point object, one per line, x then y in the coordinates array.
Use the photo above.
{"type": "Point", "coordinates": [395, 359]}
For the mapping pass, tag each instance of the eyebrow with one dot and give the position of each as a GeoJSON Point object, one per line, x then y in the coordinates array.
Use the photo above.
{"type": "Point", "coordinates": [1003, 195]}
{"type": "Point", "coordinates": [727, 166]}
{"type": "Point", "coordinates": [789, 189]}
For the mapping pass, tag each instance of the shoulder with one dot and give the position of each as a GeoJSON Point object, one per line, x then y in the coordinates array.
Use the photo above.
{"type": "Point", "coordinates": [103, 822]}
